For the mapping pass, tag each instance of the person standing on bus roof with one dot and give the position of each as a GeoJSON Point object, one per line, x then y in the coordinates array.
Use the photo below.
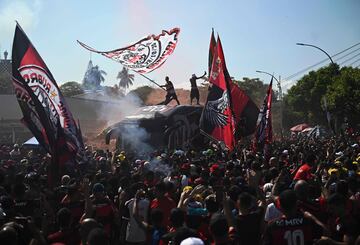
{"type": "Point", "coordinates": [170, 92]}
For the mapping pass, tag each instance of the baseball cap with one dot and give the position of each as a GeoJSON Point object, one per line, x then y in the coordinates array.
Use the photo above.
{"type": "Point", "coordinates": [192, 241]}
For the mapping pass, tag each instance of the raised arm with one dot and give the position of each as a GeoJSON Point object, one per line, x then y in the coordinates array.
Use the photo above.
{"type": "Point", "coordinates": [202, 75]}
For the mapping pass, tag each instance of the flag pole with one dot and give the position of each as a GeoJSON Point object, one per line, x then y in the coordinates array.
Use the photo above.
{"type": "Point", "coordinates": [213, 139]}
{"type": "Point", "coordinates": [151, 81]}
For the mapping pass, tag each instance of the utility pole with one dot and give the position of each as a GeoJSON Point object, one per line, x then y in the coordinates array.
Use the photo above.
{"type": "Point", "coordinates": [281, 107]}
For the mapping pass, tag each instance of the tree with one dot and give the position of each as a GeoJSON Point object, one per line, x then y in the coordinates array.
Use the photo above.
{"type": "Point", "coordinates": [304, 102]}
{"type": "Point", "coordinates": [343, 96]}
{"type": "Point", "coordinates": [98, 76]}
{"type": "Point", "coordinates": [255, 89]}
{"type": "Point", "coordinates": [126, 79]}
{"type": "Point", "coordinates": [71, 89]}
{"type": "Point", "coordinates": [93, 77]}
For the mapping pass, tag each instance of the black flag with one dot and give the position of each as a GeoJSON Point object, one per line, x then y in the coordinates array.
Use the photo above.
{"type": "Point", "coordinates": [44, 108]}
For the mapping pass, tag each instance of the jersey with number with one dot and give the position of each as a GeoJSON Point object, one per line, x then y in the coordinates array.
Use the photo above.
{"type": "Point", "coordinates": [298, 230]}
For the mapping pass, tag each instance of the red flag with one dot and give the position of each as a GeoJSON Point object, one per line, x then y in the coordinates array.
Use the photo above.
{"type": "Point", "coordinates": [212, 48]}
{"type": "Point", "coordinates": [244, 110]}
{"type": "Point", "coordinates": [217, 117]}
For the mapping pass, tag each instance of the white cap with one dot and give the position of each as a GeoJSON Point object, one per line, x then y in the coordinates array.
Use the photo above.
{"type": "Point", "coordinates": [340, 153]}
{"type": "Point", "coordinates": [192, 241]}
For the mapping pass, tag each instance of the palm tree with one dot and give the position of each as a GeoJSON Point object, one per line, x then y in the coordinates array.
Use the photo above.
{"type": "Point", "coordinates": [126, 79]}
{"type": "Point", "coordinates": [93, 76]}
{"type": "Point", "coordinates": [98, 76]}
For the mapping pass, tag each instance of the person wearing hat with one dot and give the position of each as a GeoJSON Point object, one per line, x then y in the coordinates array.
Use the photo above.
{"type": "Point", "coordinates": [99, 206]}
{"type": "Point", "coordinates": [194, 93]}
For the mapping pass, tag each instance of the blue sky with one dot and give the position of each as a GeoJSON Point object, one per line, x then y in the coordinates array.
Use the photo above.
{"type": "Point", "coordinates": [256, 34]}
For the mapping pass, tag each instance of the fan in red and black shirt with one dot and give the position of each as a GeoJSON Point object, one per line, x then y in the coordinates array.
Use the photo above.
{"type": "Point", "coordinates": [305, 171]}
{"type": "Point", "coordinates": [305, 204]}
{"type": "Point", "coordinates": [163, 202]}
{"type": "Point", "coordinates": [293, 227]}
{"type": "Point", "coordinates": [100, 207]}
{"type": "Point", "coordinates": [343, 223]}
{"type": "Point", "coordinates": [66, 234]}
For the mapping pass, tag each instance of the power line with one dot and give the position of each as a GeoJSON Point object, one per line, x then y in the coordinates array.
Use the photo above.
{"type": "Point", "coordinates": [320, 62]}
{"type": "Point", "coordinates": [349, 59]}
{"type": "Point", "coordinates": [287, 83]}
{"type": "Point", "coordinates": [347, 54]}
{"type": "Point", "coordinates": [354, 62]}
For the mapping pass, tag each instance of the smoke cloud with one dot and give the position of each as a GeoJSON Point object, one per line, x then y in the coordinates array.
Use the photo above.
{"type": "Point", "coordinates": [134, 136]}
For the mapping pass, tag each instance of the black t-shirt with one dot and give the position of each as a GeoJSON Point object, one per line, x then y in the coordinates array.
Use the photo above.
{"type": "Point", "coordinates": [295, 230]}
{"type": "Point", "coordinates": [249, 227]}
{"type": "Point", "coordinates": [170, 88]}
{"type": "Point", "coordinates": [193, 82]}
{"type": "Point", "coordinates": [27, 207]}
{"type": "Point", "coordinates": [178, 235]}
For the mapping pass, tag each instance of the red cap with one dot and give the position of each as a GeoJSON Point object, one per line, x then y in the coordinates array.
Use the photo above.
{"type": "Point", "coordinates": [214, 167]}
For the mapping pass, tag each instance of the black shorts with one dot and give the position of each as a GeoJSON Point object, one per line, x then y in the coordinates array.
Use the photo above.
{"type": "Point", "coordinates": [194, 93]}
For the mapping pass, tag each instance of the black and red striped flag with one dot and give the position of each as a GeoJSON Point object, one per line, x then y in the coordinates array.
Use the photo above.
{"type": "Point", "coordinates": [44, 108]}
{"type": "Point", "coordinates": [263, 135]}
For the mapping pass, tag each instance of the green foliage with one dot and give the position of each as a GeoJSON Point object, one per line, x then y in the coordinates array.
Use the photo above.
{"type": "Point", "coordinates": [255, 89]}
{"type": "Point", "coordinates": [126, 79]}
{"type": "Point", "coordinates": [6, 86]}
{"type": "Point", "coordinates": [71, 89]}
{"type": "Point", "coordinates": [304, 101]}
{"type": "Point", "coordinates": [343, 95]}
{"type": "Point", "coordinates": [142, 92]}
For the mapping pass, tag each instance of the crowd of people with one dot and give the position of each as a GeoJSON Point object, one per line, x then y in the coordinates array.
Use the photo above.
{"type": "Point", "coordinates": [307, 192]}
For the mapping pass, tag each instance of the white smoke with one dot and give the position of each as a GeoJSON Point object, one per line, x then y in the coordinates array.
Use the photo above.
{"type": "Point", "coordinates": [116, 110]}
{"type": "Point", "coordinates": [157, 165]}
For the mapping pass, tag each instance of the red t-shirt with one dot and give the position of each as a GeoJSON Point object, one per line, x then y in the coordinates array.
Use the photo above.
{"type": "Point", "coordinates": [296, 230]}
{"type": "Point", "coordinates": [164, 203]}
{"type": "Point", "coordinates": [303, 173]}
{"type": "Point", "coordinates": [70, 237]}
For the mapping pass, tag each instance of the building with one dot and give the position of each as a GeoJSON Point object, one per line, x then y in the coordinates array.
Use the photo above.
{"type": "Point", "coordinates": [5, 65]}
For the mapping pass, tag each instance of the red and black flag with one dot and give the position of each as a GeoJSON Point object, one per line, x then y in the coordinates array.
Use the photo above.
{"type": "Point", "coordinates": [212, 48]}
{"type": "Point", "coordinates": [45, 110]}
{"type": "Point", "coordinates": [263, 136]}
{"type": "Point", "coordinates": [217, 117]}
{"type": "Point", "coordinates": [244, 110]}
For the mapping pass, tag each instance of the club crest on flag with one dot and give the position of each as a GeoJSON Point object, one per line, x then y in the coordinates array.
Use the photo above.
{"type": "Point", "coordinates": [145, 55]}
{"type": "Point", "coordinates": [214, 111]}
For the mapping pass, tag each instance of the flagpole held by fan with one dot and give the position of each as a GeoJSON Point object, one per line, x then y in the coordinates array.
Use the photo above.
{"type": "Point", "coordinates": [151, 81]}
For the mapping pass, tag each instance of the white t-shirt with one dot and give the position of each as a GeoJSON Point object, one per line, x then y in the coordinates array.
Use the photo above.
{"type": "Point", "coordinates": [272, 212]}
{"type": "Point", "coordinates": [133, 231]}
